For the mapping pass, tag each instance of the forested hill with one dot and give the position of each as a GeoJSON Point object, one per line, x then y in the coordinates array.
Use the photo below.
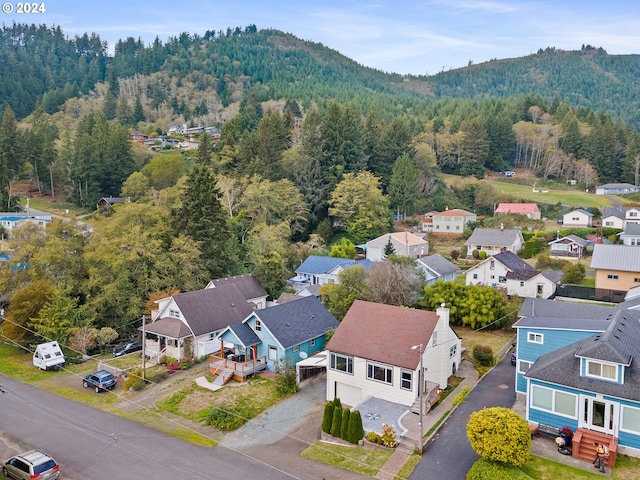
{"type": "Point", "coordinates": [589, 77]}
{"type": "Point", "coordinates": [41, 64]}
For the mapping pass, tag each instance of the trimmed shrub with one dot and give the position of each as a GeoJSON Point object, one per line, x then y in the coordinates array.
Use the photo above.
{"type": "Point", "coordinates": [500, 434]}
{"type": "Point", "coordinates": [389, 436]}
{"type": "Point", "coordinates": [482, 254]}
{"type": "Point", "coordinates": [173, 366]}
{"type": "Point", "coordinates": [327, 419]}
{"type": "Point", "coordinates": [356, 431]}
{"type": "Point", "coordinates": [337, 403]}
{"type": "Point", "coordinates": [483, 354]}
{"type": "Point", "coordinates": [475, 254]}
{"type": "Point", "coordinates": [485, 469]}
{"type": "Point", "coordinates": [573, 273]}
{"type": "Point", "coordinates": [461, 397]}
{"type": "Point", "coordinates": [373, 437]}
{"type": "Point", "coordinates": [138, 385]}
{"type": "Point", "coordinates": [344, 427]}
{"type": "Point", "coordinates": [336, 424]}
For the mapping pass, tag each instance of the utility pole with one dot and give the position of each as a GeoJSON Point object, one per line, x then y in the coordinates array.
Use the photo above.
{"type": "Point", "coordinates": [144, 346]}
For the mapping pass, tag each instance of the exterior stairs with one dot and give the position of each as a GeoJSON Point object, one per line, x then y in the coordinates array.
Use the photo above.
{"type": "Point", "coordinates": [224, 377]}
{"type": "Point", "coordinates": [583, 448]}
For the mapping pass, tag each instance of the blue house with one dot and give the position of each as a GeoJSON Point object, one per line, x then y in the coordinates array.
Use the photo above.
{"type": "Point", "coordinates": [590, 384]}
{"type": "Point", "coordinates": [294, 330]}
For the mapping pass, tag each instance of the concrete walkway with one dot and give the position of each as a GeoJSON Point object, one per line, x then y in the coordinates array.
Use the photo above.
{"type": "Point", "coordinates": [411, 421]}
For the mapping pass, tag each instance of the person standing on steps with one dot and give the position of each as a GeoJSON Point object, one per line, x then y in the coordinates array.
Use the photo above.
{"type": "Point", "coordinates": [601, 452]}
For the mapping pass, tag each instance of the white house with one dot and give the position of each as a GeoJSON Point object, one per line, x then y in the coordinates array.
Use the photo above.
{"type": "Point", "coordinates": [577, 218]}
{"type": "Point", "coordinates": [404, 244]}
{"type": "Point", "coordinates": [570, 246]}
{"type": "Point", "coordinates": [620, 217]}
{"type": "Point", "coordinates": [631, 234]}
{"type": "Point", "coordinates": [387, 364]}
{"type": "Point", "coordinates": [494, 240]}
{"type": "Point", "coordinates": [509, 272]}
{"type": "Point", "coordinates": [616, 189]}
{"type": "Point", "coordinates": [452, 222]}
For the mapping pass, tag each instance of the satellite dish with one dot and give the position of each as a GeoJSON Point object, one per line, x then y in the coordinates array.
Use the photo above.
{"type": "Point", "coordinates": [303, 355]}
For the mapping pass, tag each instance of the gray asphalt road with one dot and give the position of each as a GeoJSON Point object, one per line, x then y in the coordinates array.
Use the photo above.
{"type": "Point", "coordinates": [449, 455]}
{"type": "Point", "coordinates": [91, 444]}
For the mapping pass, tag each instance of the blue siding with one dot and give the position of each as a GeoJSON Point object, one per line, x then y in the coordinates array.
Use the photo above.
{"type": "Point", "coordinates": [625, 438]}
{"type": "Point", "coordinates": [553, 340]}
{"type": "Point", "coordinates": [549, 418]}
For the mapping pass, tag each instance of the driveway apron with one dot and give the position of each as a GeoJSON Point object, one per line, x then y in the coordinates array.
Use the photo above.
{"type": "Point", "coordinates": [449, 456]}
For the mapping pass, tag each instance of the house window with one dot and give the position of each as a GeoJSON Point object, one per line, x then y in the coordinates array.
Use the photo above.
{"type": "Point", "coordinates": [434, 339]}
{"type": "Point", "coordinates": [406, 379]}
{"type": "Point", "coordinates": [602, 370]}
{"type": "Point", "coordinates": [212, 336]}
{"type": "Point", "coordinates": [313, 342]}
{"type": "Point", "coordinates": [554, 401]}
{"type": "Point", "coordinates": [273, 353]}
{"type": "Point", "coordinates": [258, 325]}
{"type": "Point", "coordinates": [296, 348]}
{"type": "Point", "coordinates": [535, 338]}
{"type": "Point", "coordinates": [342, 363]}
{"type": "Point", "coordinates": [522, 284]}
{"type": "Point", "coordinates": [612, 277]}
{"type": "Point", "coordinates": [540, 289]}
{"type": "Point", "coordinates": [174, 313]}
{"type": "Point", "coordinates": [475, 276]}
{"type": "Point", "coordinates": [630, 419]}
{"type": "Point", "coordinates": [633, 214]}
{"type": "Point", "coordinates": [492, 264]}
{"type": "Point", "coordinates": [380, 373]}
{"type": "Point", "coordinates": [524, 366]}
{"type": "Point", "coordinates": [453, 350]}
{"type": "Point", "coordinates": [608, 224]}
{"type": "Point", "coordinates": [493, 277]}
{"type": "Point", "coordinates": [636, 280]}
{"type": "Point", "coordinates": [502, 279]}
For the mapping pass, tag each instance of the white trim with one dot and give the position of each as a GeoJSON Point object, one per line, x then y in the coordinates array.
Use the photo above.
{"type": "Point", "coordinates": [535, 335]}
{"type": "Point", "coordinates": [520, 362]}
{"type": "Point", "coordinates": [602, 364]}
{"type": "Point", "coordinates": [622, 429]}
{"type": "Point", "coordinates": [553, 401]}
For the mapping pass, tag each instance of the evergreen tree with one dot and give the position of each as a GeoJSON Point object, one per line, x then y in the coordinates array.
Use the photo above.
{"type": "Point", "coordinates": [474, 150]}
{"type": "Point", "coordinates": [201, 217]}
{"type": "Point", "coordinates": [344, 432]}
{"type": "Point", "coordinates": [336, 424]}
{"type": "Point", "coordinates": [356, 430]}
{"type": "Point", "coordinates": [501, 141]}
{"type": "Point", "coordinates": [395, 142]}
{"type": "Point", "coordinates": [403, 188]}
{"type": "Point", "coordinates": [327, 418]}
{"type": "Point", "coordinates": [138, 111]}
{"type": "Point", "coordinates": [11, 160]}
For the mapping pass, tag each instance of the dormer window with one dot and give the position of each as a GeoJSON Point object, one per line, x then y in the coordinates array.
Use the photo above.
{"type": "Point", "coordinates": [174, 313]}
{"type": "Point", "coordinates": [258, 325]}
{"type": "Point", "coordinates": [606, 371]}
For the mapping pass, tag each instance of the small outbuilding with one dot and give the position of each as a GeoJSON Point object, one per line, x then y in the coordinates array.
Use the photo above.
{"type": "Point", "coordinates": [48, 356]}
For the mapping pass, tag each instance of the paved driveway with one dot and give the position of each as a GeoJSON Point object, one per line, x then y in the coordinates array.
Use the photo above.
{"type": "Point", "coordinates": [449, 455]}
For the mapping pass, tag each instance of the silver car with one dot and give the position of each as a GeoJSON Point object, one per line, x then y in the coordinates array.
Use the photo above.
{"type": "Point", "coordinates": [31, 464]}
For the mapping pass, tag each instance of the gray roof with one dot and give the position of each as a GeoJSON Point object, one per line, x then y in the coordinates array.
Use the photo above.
{"type": "Point", "coordinates": [616, 185]}
{"type": "Point", "coordinates": [581, 210]}
{"type": "Point", "coordinates": [544, 313]}
{"type": "Point", "coordinates": [295, 322]}
{"type": "Point", "coordinates": [631, 229]}
{"type": "Point", "coordinates": [316, 264]}
{"type": "Point", "coordinates": [514, 263]}
{"type": "Point", "coordinates": [619, 212]}
{"type": "Point", "coordinates": [213, 309]}
{"type": "Point", "coordinates": [573, 239]}
{"type": "Point", "coordinates": [245, 334]}
{"type": "Point", "coordinates": [168, 327]}
{"type": "Point", "coordinates": [248, 285]}
{"type": "Point", "coordinates": [554, 275]}
{"type": "Point", "coordinates": [439, 264]}
{"type": "Point", "coordinates": [624, 258]}
{"type": "Point", "coordinates": [620, 343]}
{"type": "Point", "coordinates": [494, 237]}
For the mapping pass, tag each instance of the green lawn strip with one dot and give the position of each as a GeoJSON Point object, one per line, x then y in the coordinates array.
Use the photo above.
{"type": "Point", "coordinates": [173, 429]}
{"type": "Point", "coordinates": [538, 468]}
{"type": "Point", "coordinates": [356, 459]}
{"type": "Point", "coordinates": [408, 467]}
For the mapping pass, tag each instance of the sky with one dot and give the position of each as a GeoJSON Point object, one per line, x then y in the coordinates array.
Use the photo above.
{"type": "Point", "coordinates": [409, 37]}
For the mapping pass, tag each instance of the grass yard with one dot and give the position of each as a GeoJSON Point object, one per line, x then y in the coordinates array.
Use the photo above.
{"type": "Point", "coordinates": [496, 339]}
{"type": "Point", "coordinates": [571, 198]}
{"type": "Point", "coordinates": [539, 468]}
{"type": "Point", "coordinates": [357, 459]}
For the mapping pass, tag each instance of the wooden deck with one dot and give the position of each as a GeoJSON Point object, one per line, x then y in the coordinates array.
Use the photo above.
{"type": "Point", "coordinates": [226, 369]}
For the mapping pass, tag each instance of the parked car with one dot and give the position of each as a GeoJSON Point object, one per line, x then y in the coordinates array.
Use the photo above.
{"type": "Point", "coordinates": [509, 173]}
{"type": "Point", "coordinates": [514, 355]}
{"type": "Point", "coordinates": [128, 347]}
{"type": "Point", "coordinates": [99, 381]}
{"type": "Point", "coordinates": [31, 464]}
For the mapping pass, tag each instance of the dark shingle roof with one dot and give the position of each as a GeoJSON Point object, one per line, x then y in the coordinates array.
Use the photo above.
{"type": "Point", "coordinates": [169, 327]}
{"type": "Point", "coordinates": [248, 285]}
{"type": "Point", "coordinates": [619, 212]}
{"type": "Point", "coordinates": [383, 333]}
{"type": "Point", "coordinates": [554, 275]}
{"type": "Point", "coordinates": [213, 309]}
{"type": "Point", "coordinates": [620, 343]}
{"type": "Point", "coordinates": [518, 268]}
{"type": "Point", "coordinates": [315, 264]}
{"type": "Point", "coordinates": [245, 334]}
{"type": "Point", "coordinates": [295, 322]}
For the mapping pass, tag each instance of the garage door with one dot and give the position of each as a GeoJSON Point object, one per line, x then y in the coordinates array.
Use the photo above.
{"type": "Point", "coordinates": [348, 394]}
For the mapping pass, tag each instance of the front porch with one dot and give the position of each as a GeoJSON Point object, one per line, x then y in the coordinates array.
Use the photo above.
{"type": "Point", "coordinates": [227, 367]}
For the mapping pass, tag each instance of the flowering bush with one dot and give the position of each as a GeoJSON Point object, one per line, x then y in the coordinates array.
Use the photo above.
{"type": "Point", "coordinates": [389, 435]}
{"type": "Point", "coordinates": [173, 366]}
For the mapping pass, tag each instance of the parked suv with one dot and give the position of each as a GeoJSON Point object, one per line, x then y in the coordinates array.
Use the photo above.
{"type": "Point", "coordinates": [128, 347]}
{"type": "Point", "coordinates": [31, 464]}
{"type": "Point", "coordinates": [100, 380]}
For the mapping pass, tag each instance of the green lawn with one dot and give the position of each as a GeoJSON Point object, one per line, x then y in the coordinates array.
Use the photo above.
{"type": "Point", "coordinates": [539, 468]}
{"type": "Point", "coordinates": [357, 459]}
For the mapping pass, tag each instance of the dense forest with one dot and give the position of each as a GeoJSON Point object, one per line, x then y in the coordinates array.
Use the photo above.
{"type": "Point", "coordinates": [312, 147]}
